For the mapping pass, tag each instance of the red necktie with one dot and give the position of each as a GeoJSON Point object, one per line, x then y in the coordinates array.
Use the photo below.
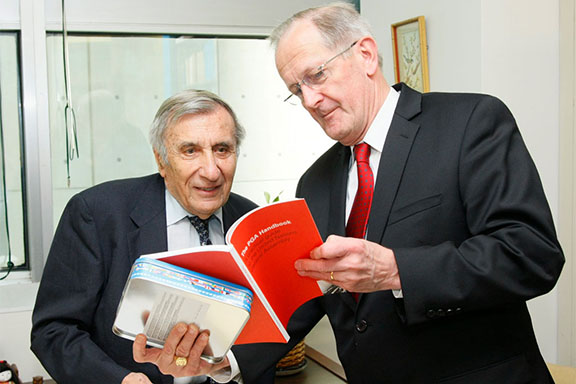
{"type": "Point", "coordinates": [358, 219]}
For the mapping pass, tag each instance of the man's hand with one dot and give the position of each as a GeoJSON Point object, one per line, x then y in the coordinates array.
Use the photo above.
{"type": "Point", "coordinates": [183, 341]}
{"type": "Point", "coordinates": [356, 265]}
{"type": "Point", "coordinates": [136, 378]}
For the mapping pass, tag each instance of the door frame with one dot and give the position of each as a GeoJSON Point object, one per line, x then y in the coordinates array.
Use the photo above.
{"type": "Point", "coordinates": [567, 184]}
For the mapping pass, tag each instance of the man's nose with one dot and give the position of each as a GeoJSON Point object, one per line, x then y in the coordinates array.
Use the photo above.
{"type": "Point", "coordinates": [310, 96]}
{"type": "Point", "coordinates": [209, 167]}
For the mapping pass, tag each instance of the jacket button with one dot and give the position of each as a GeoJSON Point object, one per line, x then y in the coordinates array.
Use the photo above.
{"type": "Point", "coordinates": [431, 314]}
{"type": "Point", "coordinates": [361, 326]}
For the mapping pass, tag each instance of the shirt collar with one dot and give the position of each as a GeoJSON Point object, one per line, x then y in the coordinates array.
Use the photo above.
{"type": "Point", "coordinates": [175, 212]}
{"type": "Point", "coordinates": [376, 135]}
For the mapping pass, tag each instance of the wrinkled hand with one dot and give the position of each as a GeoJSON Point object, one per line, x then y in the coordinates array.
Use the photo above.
{"type": "Point", "coordinates": [357, 265]}
{"type": "Point", "coordinates": [136, 378]}
{"type": "Point", "coordinates": [183, 341]}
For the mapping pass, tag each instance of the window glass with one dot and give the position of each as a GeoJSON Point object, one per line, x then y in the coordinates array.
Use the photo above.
{"type": "Point", "coordinates": [117, 84]}
{"type": "Point", "coordinates": [12, 229]}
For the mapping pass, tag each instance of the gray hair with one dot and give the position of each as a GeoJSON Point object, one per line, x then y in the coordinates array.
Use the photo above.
{"type": "Point", "coordinates": [339, 24]}
{"type": "Point", "coordinates": [188, 102]}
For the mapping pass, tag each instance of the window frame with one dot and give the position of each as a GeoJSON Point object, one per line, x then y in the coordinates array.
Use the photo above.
{"type": "Point", "coordinates": [26, 266]}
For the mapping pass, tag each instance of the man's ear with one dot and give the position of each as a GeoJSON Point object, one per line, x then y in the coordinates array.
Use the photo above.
{"type": "Point", "coordinates": [160, 163]}
{"type": "Point", "coordinates": [369, 53]}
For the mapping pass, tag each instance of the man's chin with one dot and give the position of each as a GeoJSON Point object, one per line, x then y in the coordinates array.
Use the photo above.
{"type": "Point", "coordinates": [334, 133]}
{"type": "Point", "coordinates": [204, 208]}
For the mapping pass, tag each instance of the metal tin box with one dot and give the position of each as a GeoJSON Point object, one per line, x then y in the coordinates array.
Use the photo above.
{"type": "Point", "coordinates": [158, 295]}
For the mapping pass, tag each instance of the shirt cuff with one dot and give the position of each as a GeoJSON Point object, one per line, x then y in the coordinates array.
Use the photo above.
{"type": "Point", "coordinates": [397, 293]}
{"type": "Point", "coordinates": [229, 373]}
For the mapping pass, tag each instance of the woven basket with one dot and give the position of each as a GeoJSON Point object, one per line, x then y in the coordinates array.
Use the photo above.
{"type": "Point", "coordinates": [293, 362]}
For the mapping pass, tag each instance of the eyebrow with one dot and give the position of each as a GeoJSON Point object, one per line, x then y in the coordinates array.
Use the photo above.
{"type": "Point", "coordinates": [225, 144]}
{"type": "Point", "coordinates": [186, 144]}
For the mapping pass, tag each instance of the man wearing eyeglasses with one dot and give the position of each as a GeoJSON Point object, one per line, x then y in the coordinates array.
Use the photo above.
{"type": "Point", "coordinates": [436, 227]}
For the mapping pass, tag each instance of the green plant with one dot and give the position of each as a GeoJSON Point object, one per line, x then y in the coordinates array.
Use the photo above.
{"type": "Point", "coordinates": [268, 197]}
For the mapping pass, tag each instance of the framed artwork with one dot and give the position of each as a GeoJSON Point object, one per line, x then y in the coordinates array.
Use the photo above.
{"type": "Point", "coordinates": [411, 53]}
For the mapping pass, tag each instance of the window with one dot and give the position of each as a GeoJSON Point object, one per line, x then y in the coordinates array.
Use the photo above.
{"type": "Point", "coordinates": [12, 213]}
{"type": "Point", "coordinates": [118, 82]}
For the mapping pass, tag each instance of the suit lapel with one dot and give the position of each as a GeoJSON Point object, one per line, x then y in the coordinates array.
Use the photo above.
{"type": "Point", "coordinates": [395, 154]}
{"type": "Point", "coordinates": [393, 160]}
{"type": "Point", "coordinates": [392, 163]}
{"type": "Point", "coordinates": [149, 216]}
{"type": "Point", "coordinates": [336, 215]}
{"type": "Point", "coordinates": [227, 217]}
{"type": "Point", "coordinates": [232, 211]}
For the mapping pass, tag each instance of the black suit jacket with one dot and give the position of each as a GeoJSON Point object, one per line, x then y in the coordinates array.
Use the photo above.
{"type": "Point", "coordinates": [100, 234]}
{"type": "Point", "coordinates": [459, 200]}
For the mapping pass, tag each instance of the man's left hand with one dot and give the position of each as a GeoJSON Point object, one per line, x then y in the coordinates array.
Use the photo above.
{"type": "Point", "coordinates": [356, 265]}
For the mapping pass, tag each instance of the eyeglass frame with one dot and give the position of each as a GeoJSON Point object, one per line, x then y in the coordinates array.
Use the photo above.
{"type": "Point", "coordinates": [319, 69]}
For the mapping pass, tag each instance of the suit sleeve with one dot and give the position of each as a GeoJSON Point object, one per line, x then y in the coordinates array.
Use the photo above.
{"type": "Point", "coordinates": [68, 296]}
{"type": "Point", "coordinates": [258, 361]}
{"type": "Point", "coordinates": [512, 253]}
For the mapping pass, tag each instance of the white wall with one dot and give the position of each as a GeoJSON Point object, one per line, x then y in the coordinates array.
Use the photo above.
{"type": "Point", "coordinates": [274, 128]}
{"type": "Point", "coordinates": [10, 15]}
{"type": "Point", "coordinates": [15, 331]}
{"type": "Point", "coordinates": [520, 64]}
{"type": "Point", "coordinates": [453, 30]}
{"type": "Point", "coordinates": [505, 48]}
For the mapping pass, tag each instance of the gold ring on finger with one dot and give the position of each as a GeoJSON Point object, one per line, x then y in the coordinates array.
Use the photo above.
{"type": "Point", "coordinates": [180, 361]}
{"type": "Point", "coordinates": [332, 276]}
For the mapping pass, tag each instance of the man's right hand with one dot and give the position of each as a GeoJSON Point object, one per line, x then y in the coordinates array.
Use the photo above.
{"type": "Point", "coordinates": [136, 378]}
{"type": "Point", "coordinates": [185, 341]}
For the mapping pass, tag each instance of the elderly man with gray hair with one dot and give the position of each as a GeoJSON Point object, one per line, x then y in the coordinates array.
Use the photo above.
{"type": "Point", "coordinates": [195, 137]}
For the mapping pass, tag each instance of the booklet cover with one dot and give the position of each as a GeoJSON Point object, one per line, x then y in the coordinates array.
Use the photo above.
{"type": "Point", "coordinates": [262, 248]}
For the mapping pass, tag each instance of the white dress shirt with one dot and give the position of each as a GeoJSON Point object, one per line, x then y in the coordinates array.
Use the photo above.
{"type": "Point", "coordinates": [375, 138]}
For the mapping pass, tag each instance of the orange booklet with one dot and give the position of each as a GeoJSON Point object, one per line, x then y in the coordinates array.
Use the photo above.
{"type": "Point", "coordinates": [262, 247]}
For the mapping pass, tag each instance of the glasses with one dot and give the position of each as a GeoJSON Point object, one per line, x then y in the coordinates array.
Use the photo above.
{"type": "Point", "coordinates": [313, 79]}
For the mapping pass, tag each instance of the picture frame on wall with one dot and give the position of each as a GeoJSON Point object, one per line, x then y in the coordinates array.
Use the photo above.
{"type": "Point", "coordinates": [411, 53]}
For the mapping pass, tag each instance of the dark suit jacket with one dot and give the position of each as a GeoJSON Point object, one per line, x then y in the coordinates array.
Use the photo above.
{"type": "Point", "coordinates": [459, 200]}
{"type": "Point", "coordinates": [100, 234]}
